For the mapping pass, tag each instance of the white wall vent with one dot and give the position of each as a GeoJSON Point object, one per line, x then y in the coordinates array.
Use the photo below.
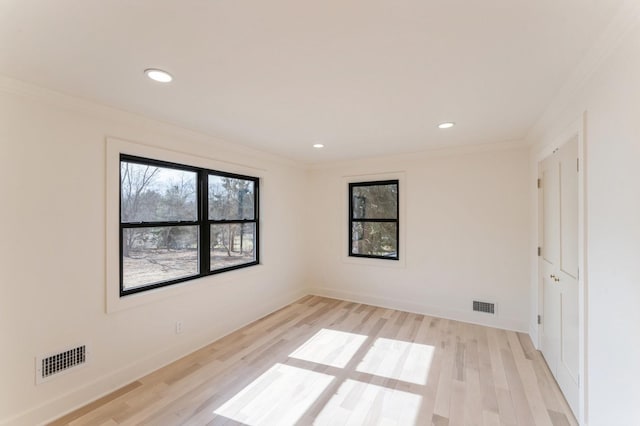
{"type": "Point", "coordinates": [51, 365]}
{"type": "Point", "coordinates": [486, 307]}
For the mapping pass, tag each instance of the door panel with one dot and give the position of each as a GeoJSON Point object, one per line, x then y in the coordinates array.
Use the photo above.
{"type": "Point", "coordinates": [568, 368]}
{"type": "Point", "coordinates": [569, 331]}
{"type": "Point", "coordinates": [550, 320]}
{"type": "Point", "coordinates": [569, 208]}
{"type": "Point", "coordinates": [550, 258]}
{"type": "Point", "coordinates": [558, 267]}
{"type": "Point", "coordinates": [550, 218]}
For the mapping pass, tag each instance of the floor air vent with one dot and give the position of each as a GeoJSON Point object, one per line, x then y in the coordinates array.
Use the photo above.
{"type": "Point", "coordinates": [487, 307]}
{"type": "Point", "coordinates": [48, 366]}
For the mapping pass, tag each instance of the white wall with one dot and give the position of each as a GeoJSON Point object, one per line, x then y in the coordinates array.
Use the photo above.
{"type": "Point", "coordinates": [611, 100]}
{"type": "Point", "coordinates": [464, 235]}
{"type": "Point", "coordinates": [466, 217]}
{"type": "Point", "coordinates": [52, 253]}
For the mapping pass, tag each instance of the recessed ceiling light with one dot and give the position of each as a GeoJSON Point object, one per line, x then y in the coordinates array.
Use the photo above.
{"type": "Point", "coordinates": [158, 75]}
{"type": "Point", "coordinates": [318, 145]}
{"type": "Point", "coordinates": [446, 125]}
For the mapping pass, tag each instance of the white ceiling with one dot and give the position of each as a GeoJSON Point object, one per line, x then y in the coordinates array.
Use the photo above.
{"type": "Point", "coordinates": [365, 78]}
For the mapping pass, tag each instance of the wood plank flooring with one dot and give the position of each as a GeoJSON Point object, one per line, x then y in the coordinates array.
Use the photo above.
{"type": "Point", "coordinates": [323, 361]}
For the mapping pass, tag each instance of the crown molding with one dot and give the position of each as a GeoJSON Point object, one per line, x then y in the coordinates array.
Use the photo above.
{"type": "Point", "coordinates": [626, 18]}
{"type": "Point", "coordinates": [434, 152]}
{"type": "Point", "coordinates": [94, 109]}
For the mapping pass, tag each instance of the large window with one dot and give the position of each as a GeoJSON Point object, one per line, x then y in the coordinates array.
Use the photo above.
{"type": "Point", "coordinates": [373, 219]}
{"type": "Point", "coordinates": [179, 223]}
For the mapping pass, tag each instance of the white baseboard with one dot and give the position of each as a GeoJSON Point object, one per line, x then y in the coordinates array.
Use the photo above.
{"type": "Point", "coordinates": [418, 308]}
{"type": "Point", "coordinates": [102, 386]}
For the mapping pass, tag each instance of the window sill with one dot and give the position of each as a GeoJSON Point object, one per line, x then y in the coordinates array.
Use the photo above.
{"type": "Point", "coordinates": [369, 261]}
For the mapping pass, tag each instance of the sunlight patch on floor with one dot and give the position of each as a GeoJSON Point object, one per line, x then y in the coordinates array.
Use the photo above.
{"type": "Point", "coordinates": [281, 395]}
{"type": "Point", "coordinates": [358, 403]}
{"type": "Point", "coordinates": [396, 359]}
{"type": "Point", "coordinates": [330, 347]}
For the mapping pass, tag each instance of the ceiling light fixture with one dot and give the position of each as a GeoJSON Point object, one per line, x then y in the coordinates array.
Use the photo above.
{"type": "Point", "coordinates": [158, 75]}
{"type": "Point", "coordinates": [318, 145]}
{"type": "Point", "coordinates": [446, 125]}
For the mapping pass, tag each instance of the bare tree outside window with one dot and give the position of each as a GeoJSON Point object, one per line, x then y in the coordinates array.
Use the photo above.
{"type": "Point", "coordinates": [166, 236]}
{"type": "Point", "coordinates": [231, 202]}
{"type": "Point", "coordinates": [156, 196]}
{"type": "Point", "coordinates": [374, 219]}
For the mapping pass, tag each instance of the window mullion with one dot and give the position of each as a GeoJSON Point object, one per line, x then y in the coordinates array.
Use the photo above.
{"type": "Point", "coordinates": [205, 237]}
{"type": "Point", "coordinates": [158, 224]}
{"type": "Point", "coordinates": [379, 220]}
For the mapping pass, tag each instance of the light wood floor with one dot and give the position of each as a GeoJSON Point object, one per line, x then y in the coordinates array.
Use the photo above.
{"type": "Point", "coordinates": [329, 362]}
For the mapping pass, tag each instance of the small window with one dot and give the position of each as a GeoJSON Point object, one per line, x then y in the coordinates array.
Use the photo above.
{"type": "Point", "coordinates": [165, 236]}
{"type": "Point", "coordinates": [373, 219]}
{"type": "Point", "coordinates": [232, 219]}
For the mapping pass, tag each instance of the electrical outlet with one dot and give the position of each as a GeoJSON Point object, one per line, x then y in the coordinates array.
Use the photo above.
{"type": "Point", "coordinates": [178, 327]}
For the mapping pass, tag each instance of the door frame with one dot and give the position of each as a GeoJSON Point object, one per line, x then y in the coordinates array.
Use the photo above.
{"type": "Point", "coordinates": [576, 128]}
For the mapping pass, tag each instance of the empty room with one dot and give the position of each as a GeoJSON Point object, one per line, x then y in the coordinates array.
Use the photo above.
{"type": "Point", "coordinates": [284, 212]}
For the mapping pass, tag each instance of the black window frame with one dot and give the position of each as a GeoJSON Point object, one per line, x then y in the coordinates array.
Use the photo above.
{"type": "Point", "coordinates": [395, 220]}
{"type": "Point", "coordinates": [203, 222]}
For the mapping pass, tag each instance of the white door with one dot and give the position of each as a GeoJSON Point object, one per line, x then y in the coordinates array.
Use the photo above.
{"type": "Point", "coordinates": [558, 267]}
